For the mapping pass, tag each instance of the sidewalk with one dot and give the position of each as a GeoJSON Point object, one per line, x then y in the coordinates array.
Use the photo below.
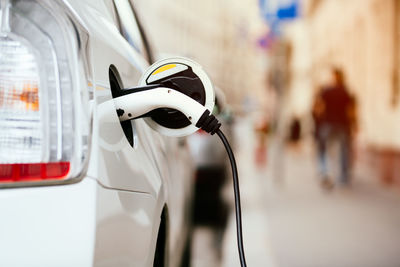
{"type": "Point", "coordinates": [357, 226]}
{"type": "Point", "coordinates": [290, 222]}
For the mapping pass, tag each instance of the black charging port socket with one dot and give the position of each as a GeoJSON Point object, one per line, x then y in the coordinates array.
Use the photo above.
{"type": "Point", "coordinates": [116, 86]}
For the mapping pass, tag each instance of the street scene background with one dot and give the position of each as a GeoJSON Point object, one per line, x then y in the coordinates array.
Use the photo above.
{"type": "Point", "coordinates": [271, 62]}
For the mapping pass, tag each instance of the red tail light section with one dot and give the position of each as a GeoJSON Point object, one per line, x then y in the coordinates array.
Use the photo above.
{"type": "Point", "coordinates": [29, 172]}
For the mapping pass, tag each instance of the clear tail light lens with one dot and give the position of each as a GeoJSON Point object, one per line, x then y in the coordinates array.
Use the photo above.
{"type": "Point", "coordinates": [44, 124]}
{"type": "Point", "coordinates": [21, 124]}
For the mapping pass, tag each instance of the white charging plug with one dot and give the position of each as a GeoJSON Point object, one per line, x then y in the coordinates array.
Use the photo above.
{"type": "Point", "coordinates": [137, 104]}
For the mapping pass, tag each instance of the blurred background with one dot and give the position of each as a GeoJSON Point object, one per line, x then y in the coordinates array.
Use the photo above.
{"type": "Point", "coordinates": [309, 92]}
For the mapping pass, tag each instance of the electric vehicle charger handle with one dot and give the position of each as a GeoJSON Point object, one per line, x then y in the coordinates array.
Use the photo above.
{"type": "Point", "coordinates": [136, 104]}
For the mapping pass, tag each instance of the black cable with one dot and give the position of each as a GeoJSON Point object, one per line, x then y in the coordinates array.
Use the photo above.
{"type": "Point", "coordinates": [210, 124]}
{"type": "Point", "coordinates": [237, 197]}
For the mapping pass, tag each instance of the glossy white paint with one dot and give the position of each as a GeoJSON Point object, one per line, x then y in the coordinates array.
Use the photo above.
{"type": "Point", "coordinates": [48, 226]}
{"type": "Point", "coordinates": [125, 222]}
{"type": "Point", "coordinates": [144, 168]}
{"type": "Point", "coordinates": [111, 217]}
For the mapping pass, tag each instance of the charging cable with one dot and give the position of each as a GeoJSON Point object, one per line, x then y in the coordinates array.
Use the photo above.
{"type": "Point", "coordinates": [211, 125]}
{"type": "Point", "coordinates": [136, 104]}
{"type": "Point", "coordinates": [238, 210]}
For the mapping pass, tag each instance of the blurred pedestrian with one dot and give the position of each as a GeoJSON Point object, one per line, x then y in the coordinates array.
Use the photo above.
{"type": "Point", "coordinates": [294, 131]}
{"type": "Point", "coordinates": [261, 129]}
{"type": "Point", "coordinates": [334, 113]}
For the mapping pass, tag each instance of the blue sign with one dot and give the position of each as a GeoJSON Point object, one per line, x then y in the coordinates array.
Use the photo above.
{"type": "Point", "coordinates": [277, 11]}
{"type": "Point", "coordinates": [280, 10]}
{"type": "Point", "coordinates": [288, 12]}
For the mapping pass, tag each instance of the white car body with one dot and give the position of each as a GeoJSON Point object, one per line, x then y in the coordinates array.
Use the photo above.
{"type": "Point", "coordinates": [111, 215]}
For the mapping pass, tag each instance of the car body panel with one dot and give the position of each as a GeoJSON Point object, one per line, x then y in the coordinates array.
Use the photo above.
{"type": "Point", "coordinates": [126, 223]}
{"type": "Point", "coordinates": [111, 216]}
{"type": "Point", "coordinates": [55, 224]}
{"type": "Point", "coordinates": [159, 165]}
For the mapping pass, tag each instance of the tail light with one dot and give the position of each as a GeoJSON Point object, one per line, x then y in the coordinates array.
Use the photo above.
{"type": "Point", "coordinates": [44, 121]}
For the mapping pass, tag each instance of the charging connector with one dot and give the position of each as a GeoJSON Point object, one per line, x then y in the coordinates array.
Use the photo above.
{"type": "Point", "coordinates": [208, 123]}
{"type": "Point", "coordinates": [139, 103]}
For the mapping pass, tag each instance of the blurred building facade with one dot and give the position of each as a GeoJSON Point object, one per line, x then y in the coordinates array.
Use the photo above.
{"type": "Point", "coordinates": [362, 38]}
{"type": "Point", "coordinates": [220, 34]}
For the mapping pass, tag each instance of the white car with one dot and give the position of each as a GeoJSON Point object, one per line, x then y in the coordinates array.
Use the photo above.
{"type": "Point", "coordinates": [76, 190]}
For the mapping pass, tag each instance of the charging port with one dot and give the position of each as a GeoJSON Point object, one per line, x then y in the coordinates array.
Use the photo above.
{"type": "Point", "coordinates": [116, 85]}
